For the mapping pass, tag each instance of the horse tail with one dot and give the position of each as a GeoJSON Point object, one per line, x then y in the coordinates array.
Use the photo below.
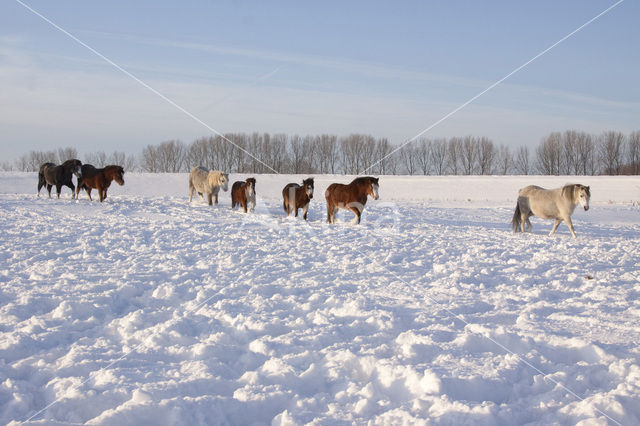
{"type": "Point", "coordinates": [517, 219]}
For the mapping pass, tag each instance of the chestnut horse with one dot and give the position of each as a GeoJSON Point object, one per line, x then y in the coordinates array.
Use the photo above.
{"type": "Point", "coordinates": [100, 179]}
{"type": "Point", "coordinates": [298, 197]}
{"type": "Point", "coordinates": [350, 197]}
{"type": "Point", "coordinates": [50, 175]}
{"type": "Point", "coordinates": [243, 193]}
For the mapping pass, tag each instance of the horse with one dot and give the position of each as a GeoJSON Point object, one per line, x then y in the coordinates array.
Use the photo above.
{"type": "Point", "coordinates": [209, 182]}
{"type": "Point", "coordinates": [243, 193]}
{"type": "Point", "coordinates": [100, 179]}
{"type": "Point", "coordinates": [50, 174]}
{"type": "Point", "coordinates": [298, 197]}
{"type": "Point", "coordinates": [556, 204]}
{"type": "Point", "coordinates": [350, 197]}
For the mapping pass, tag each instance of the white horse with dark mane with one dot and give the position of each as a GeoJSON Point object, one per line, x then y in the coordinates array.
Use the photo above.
{"type": "Point", "coordinates": [205, 181]}
{"type": "Point", "coordinates": [556, 204]}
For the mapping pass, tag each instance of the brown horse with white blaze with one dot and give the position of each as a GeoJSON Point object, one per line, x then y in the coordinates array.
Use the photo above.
{"type": "Point", "coordinates": [298, 197]}
{"type": "Point", "coordinates": [351, 197]}
{"type": "Point", "coordinates": [100, 179]}
{"type": "Point", "coordinates": [244, 193]}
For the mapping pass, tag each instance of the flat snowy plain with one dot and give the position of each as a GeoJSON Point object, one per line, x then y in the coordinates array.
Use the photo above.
{"type": "Point", "coordinates": [147, 310]}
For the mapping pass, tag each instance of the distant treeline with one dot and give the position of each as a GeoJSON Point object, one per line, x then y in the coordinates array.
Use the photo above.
{"type": "Point", "coordinates": [567, 153]}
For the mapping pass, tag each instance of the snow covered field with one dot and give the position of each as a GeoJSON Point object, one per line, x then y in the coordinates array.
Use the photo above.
{"type": "Point", "coordinates": [147, 310]}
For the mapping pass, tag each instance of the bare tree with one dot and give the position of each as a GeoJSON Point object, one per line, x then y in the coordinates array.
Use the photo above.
{"type": "Point", "coordinates": [168, 157]}
{"type": "Point", "coordinates": [504, 161]}
{"type": "Point", "coordinates": [349, 155]}
{"type": "Point", "coordinates": [327, 153]}
{"type": "Point", "coordinates": [408, 157]}
{"type": "Point", "coordinates": [453, 154]}
{"type": "Point", "coordinates": [468, 155]}
{"type": "Point", "coordinates": [6, 166]}
{"type": "Point", "coordinates": [32, 161]}
{"type": "Point", "coordinates": [610, 152]}
{"type": "Point", "coordinates": [384, 161]}
{"type": "Point", "coordinates": [549, 153]}
{"type": "Point", "coordinates": [127, 162]}
{"type": "Point", "coordinates": [486, 155]}
{"type": "Point", "coordinates": [98, 158]}
{"type": "Point", "coordinates": [64, 154]}
{"type": "Point", "coordinates": [633, 152]}
{"type": "Point", "coordinates": [439, 153]}
{"type": "Point", "coordinates": [423, 155]}
{"type": "Point", "coordinates": [585, 152]}
{"type": "Point", "coordinates": [522, 161]}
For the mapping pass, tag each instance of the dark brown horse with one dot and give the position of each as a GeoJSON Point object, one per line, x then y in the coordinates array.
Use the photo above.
{"type": "Point", "coordinates": [50, 175]}
{"type": "Point", "coordinates": [350, 197]}
{"type": "Point", "coordinates": [100, 179]}
{"type": "Point", "coordinates": [243, 193]}
{"type": "Point", "coordinates": [298, 197]}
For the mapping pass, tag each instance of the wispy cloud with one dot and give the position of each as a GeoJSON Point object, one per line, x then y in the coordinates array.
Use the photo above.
{"type": "Point", "coordinates": [364, 69]}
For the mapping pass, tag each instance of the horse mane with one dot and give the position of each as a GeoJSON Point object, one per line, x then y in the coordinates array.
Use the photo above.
{"type": "Point", "coordinates": [112, 166]}
{"type": "Point", "coordinates": [71, 161]}
{"type": "Point", "coordinates": [569, 189]}
{"type": "Point", "coordinates": [363, 179]}
{"type": "Point", "coordinates": [215, 177]}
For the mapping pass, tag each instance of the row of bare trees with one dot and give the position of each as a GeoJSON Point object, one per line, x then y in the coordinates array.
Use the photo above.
{"type": "Point", "coordinates": [579, 153]}
{"type": "Point", "coordinates": [569, 153]}
{"type": "Point", "coordinates": [31, 162]}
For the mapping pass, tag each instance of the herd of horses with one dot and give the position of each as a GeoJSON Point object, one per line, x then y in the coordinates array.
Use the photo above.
{"type": "Point", "coordinates": [557, 204]}
{"type": "Point", "coordinates": [89, 177]}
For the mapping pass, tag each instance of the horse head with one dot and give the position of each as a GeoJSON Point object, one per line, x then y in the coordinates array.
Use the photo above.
{"type": "Point", "coordinates": [251, 187]}
{"type": "Point", "coordinates": [119, 175]}
{"type": "Point", "coordinates": [308, 187]}
{"type": "Point", "coordinates": [374, 187]}
{"type": "Point", "coordinates": [224, 181]}
{"type": "Point", "coordinates": [584, 195]}
{"type": "Point", "coordinates": [75, 166]}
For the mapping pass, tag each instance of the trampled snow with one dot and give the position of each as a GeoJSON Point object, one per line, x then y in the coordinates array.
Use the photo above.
{"type": "Point", "coordinates": [145, 309]}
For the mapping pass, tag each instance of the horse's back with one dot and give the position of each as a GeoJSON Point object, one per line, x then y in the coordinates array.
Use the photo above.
{"type": "Point", "coordinates": [288, 187]}
{"type": "Point", "coordinates": [198, 176]}
{"type": "Point", "coordinates": [88, 170]}
{"type": "Point", "coordinates": [236, 186]}
{"type": "Point", "coordinates": [540, 201]}
{"type": "Point", "coordinates": [530, 190]}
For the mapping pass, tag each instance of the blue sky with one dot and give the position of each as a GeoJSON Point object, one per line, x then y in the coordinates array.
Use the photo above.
{"type": "Point", "coordinates": [390, 69]}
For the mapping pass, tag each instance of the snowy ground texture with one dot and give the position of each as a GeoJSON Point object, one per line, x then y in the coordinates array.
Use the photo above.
{"type": "Point", "coordinates": [147, 310]}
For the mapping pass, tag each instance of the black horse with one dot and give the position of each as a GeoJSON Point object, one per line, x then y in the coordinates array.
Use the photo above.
{"type": "Point", "coordinates": [50, 175]}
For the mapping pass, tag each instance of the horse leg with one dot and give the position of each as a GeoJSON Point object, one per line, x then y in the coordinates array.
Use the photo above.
{"type": "Point", "coordinates": [356, 211]}
{"type": "Point", "coordinates": [191, 191]}
{"type": "Point", "coordinates": [58, 189]}
{"type": "Point", "coordinates": [555, 226]}
{"type": "Point", "coordinates": [244, 205]}
{"type": "Point", "coordinates": [295, 209]}
{"type": "Point", "coordinates": [73, 190]}
{"type": "Point", "coordinates": [329, 212]}
{"type": "Point", "coordinates": [527, 223]}
{"type": "Point", "coordinates": [570, 225]}
{"type": "Point", "coordinates": [49, 189]}
{"type": "Point", "coordinates": [305, 210]}
{"type": "Point", "coordinates": [215, 199]}
{"type": "Point", "coordinates": [210, 198]}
